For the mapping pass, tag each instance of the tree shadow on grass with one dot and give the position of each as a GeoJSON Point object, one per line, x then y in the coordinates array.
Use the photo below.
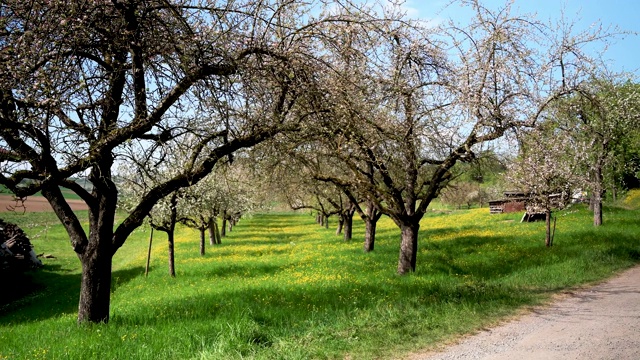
{"type": "Point", "coordinates": [265, 238]}
{"type": "Point", "coordinates": [52, 293]}
{"type": "Point", "coordinates": [293, 299]}
{"type": "Point", "coordinates": [234, 270]}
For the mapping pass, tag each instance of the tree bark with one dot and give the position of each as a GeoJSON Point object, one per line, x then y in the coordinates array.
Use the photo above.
{"type": "Point", "coordinates": [348, 225]}
{"type": "Point", "coordinates": [370, 218]}
{"type": "Point", "coordinates": [597, 213]}
{"type": "Point", "coordinates": [170, 233]}
{"type": "Point", "coordinates": [96, 259]}
{"type": "Point", "coordinates": [146, 269]}
{"type": "Point", "coordinates": [408, 247]}
{"type": "Point", "coordinates": [597, 194]}
{"type": "Point", "coordinates": [547, 222]}
{"type": "Point", "coordinates": [223, 229]}
{"type": "Point", "coordinates": [340, 224]}
{"type": "Point", "coordinates": [202, 240]}
{"type": "Point", "coordinates": [212, 233]}
{"type": "Point", "coordinates": [172, 263]}
{"type": "Point", "coordinates": [216, 231]}
{"type": "Point", "coordinates": [369, 233]}
{"type": "Point", "coordinates": [95, 287]}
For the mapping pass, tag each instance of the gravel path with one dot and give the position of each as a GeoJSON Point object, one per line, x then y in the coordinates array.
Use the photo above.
{"type": "Point", "coordinates": [599, 322]}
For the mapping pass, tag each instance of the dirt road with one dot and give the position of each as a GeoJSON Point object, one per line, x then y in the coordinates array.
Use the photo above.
{"type": "Point", "coordinates": [600, 322]}
{"type": "Point", "coordinates": [34, 203]}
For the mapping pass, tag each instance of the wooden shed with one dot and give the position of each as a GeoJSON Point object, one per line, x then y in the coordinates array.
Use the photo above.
{"type": "Point", "coordinates": [513, 201]}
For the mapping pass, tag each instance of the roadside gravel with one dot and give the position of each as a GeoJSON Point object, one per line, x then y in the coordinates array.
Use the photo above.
{"type": "Point", "coordinates": [599, 322]}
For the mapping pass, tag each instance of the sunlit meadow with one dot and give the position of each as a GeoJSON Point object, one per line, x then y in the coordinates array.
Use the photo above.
{"type": "Point", "coordinates": [282, 287]}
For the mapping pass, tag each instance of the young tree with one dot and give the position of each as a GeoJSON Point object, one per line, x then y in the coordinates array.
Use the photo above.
{"type": "Point", "coordinates": [164, 217]}
{"type": "Point", "coordinates": [202, 204]}
{"type": "Point", "coordinates": [548, 170]}
{"type": "Point", "coordinates": [135, 179]}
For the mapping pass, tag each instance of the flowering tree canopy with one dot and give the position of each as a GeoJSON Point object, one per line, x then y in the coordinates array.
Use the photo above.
{"type": "Point", "coordinates": [82, 81]}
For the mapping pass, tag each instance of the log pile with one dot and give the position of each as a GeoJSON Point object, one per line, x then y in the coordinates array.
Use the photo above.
{"type": "Point", "coordinates": [16, 251]}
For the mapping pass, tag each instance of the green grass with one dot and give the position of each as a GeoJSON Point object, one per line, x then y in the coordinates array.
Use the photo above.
{"type": "Point", "coordinates": [281, 287]}
{"type": "Point", "coordinates": [68, 194]}
{"type": "Point", "coordinates": [632, 200]}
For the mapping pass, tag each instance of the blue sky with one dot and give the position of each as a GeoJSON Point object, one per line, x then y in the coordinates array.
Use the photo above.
{"type": "Point", "coordinates": [623, 55]}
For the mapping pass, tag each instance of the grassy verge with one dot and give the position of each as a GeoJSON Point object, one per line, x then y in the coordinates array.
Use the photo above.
{"type": "Point", "coordinates": [280, 287]}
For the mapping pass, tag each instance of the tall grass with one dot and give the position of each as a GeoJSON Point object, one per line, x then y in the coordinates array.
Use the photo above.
{"type": "Point", "coordinates": [281, 287]}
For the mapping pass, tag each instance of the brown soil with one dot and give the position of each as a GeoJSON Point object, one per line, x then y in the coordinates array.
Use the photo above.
{"type": "Point", "coordinates": [34, 203]}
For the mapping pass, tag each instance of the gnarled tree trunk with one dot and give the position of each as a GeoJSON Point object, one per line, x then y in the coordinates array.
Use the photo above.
{"type": "Point", "coordinates": [408, 247]}
{"type": "Point", "coordinates": [340, 225]}
{"type": "Point", "coordinates": [95, 286]}
{"type": "Point", "coordinates": [96, 254]}
{"type": "Point", "coordinates": [370, 218]}
{"type": "Point", "coordinates": [369, 234]}
{"type": "Point", "coordinates": [348, 224]}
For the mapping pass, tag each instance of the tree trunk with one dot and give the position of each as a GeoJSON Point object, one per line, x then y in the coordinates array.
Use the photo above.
{"type": "Point", "coordinates": [326, 222]}
{"type": "Point", "coordinates": [348, 225]}
{"type": "Point", "coordinates": [96, 259]}
{"type": "Point", "coordinates": [408, 247]}
{"type": "Point", "coordinates": [597, 213]}
{"type": "Point", "coordinates": [370, 219]}
{"type": "Point", "coordinates": [202, 239]}
{"type": "Point", "coordinates": [369, 233]}
{"type": "Point", "coordinates": [597, 195]}
{"type": "Point", "coordinates": [172, 264]}
{"type": "Point", "coordinates": [212, 233]}
{"type": "Point", "coordinates": [146, 269]}
{"type": "Point", "coordinates": [95, 288]}
{"type": "Point", "coordinates": [223, 229]}
{"type": "Point", "coordinates": [216, 230]}
{"type": "Point", "coordinates": [547, 222]}
{"type": "Point", "coordinates": [340, 224]}
{"type": "Point", "coordinates": [171, 231]}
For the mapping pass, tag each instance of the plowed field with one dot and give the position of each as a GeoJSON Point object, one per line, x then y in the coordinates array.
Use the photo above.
{"type": "Point", "coordinates": [34, 203]}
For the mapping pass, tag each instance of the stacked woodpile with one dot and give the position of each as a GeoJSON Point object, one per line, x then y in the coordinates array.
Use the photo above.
{"type": "Point", "coordinates": [16, 251]}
